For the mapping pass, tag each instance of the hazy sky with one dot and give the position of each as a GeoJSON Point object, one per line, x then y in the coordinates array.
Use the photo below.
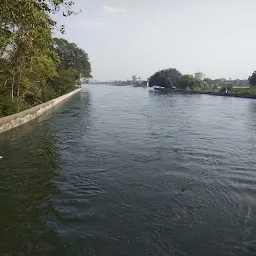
{"type": "Point", "coordinates": [140, 37]}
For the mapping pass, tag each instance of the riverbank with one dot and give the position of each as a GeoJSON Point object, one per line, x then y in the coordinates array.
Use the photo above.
{"type": "Point", "coordinates": [12, 121]}
{"type": "Point", "coordinates": [247, 96]}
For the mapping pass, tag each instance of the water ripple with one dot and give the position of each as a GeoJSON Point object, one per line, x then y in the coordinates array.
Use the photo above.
{"type": "Point", "coordinates": [125, 171]}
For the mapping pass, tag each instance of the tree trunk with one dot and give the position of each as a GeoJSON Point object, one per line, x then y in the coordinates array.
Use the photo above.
{"type": "Point", "coordinates": [18, 89]}
{"type": "Point", "coordinates": [13, 80]}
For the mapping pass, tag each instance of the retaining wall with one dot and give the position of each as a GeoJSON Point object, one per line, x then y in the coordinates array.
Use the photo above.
{"type": "Point", "coordinates": [247, 96]}
{"type": "Point", "coordinates": [12, 121]}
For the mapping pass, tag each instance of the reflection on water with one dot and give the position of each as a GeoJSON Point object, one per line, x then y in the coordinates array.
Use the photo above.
{"type": "Point", "coordinates": [252, 113]}
{"type": "Point", "coordinates": [124, 171]}
{"type": "Point", "coordinates": [30, 165]}
{"type": "Point", "coordinates": [30, 162]}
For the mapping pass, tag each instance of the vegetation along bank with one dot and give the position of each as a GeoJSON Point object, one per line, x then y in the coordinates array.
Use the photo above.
{"type": "Point", "coordinates": [35, 67]}
{"type": "Point", "coordinates": [169, 79]}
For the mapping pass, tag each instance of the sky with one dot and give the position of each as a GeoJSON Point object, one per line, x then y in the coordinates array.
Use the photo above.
{"type": "Point", "coordinates": [128, 37]}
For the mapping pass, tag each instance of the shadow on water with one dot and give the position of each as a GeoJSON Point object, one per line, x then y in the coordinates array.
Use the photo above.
{"type": "Point", "coordinates": [30, 162]}
{"type": "Point", "coordinates": [29, 172]}
{"type": "Point", "coordinates": [252, 111]}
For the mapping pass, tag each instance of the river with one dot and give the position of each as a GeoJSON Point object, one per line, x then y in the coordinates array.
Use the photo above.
{"type": "Point", "coordinates": [127, 171]}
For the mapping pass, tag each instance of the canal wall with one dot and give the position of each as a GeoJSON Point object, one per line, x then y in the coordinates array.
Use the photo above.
{"type": "Point", "coordinates": [12, 121]}
{"type": "Point", "coordinates": [247, 96]}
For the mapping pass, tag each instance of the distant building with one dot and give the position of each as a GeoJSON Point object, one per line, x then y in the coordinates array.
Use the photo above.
{"type": "Point", "coordinates": [136, 78]}
{"type": "Point", "coordinates": [199, 76]}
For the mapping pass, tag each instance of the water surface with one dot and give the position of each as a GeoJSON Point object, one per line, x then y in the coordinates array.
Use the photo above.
{"type": "Point", "coordinates": [126, 171]}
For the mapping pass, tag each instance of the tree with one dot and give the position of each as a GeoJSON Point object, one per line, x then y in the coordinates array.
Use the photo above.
{"type": "Point", "coordinates": [187, 81]}
{"type": "Point", "coordinates": [252, 79]}
{"type": "Point", "coordinates": [25, 46]}
{"type": "Point", "coordinates": [167, 78]}
{"type": "Point", "coordinates": [29, 62]}
{"type": "Point", "coordinates": [208, 81]}
{"type": "Point", "coordinates": [19, 12]}
{"type": "Point", "coordinates": [72, 58]}
{"type": "Point", "coordinates": [73, 67]}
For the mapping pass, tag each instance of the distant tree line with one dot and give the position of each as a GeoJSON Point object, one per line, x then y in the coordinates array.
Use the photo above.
{"type": "Point", "coordinates": [34, 66]}
{"type": "Point", "coordinates": [172, 78]}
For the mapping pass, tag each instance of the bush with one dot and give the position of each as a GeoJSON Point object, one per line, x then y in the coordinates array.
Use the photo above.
{"type": "Point", "coordinates": [196, 88]}
{"type": "Point", "coordinates": [48, 94]}
{"type": "Point", "coordinates": [9, 107]}
{"type": "Point", "coordinates": [215, 88]}
{"type": "Point", "coordinates": [244, 91]}
{"type": "Point", "coordinates": [206, 88]}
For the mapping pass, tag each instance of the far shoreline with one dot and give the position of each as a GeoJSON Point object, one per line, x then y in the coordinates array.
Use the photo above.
{"type": "Point", "coordinates": [223, 94]}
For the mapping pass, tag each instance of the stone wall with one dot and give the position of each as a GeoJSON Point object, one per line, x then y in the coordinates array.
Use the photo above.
{"type": "Point", "coordinates": [10, 122]}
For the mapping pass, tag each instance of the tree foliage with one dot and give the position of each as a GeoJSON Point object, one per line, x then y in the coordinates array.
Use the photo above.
{"type": "Point", "coordinates": [166, 78]}
{"type": "Point", "coordinates": [29, 58]}
{"type": "Point", "coordinates": [252, 79]}
{"type": "Point", "coordinates": [25, 47]}
{"type": "Point", "coordinates": [170, 78]}
{"type": "Point", "coordinates": [73, 66]}
{"type": "Point", "coordinates": [188, 82]}
{"type": "Point", "coordinates": [72, 58]}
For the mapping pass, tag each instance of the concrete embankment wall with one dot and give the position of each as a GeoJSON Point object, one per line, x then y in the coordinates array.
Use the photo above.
{"type": "Point", "coordinates": [10, 122]}
{"type": "Point", "coordinates": [247, 96]}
